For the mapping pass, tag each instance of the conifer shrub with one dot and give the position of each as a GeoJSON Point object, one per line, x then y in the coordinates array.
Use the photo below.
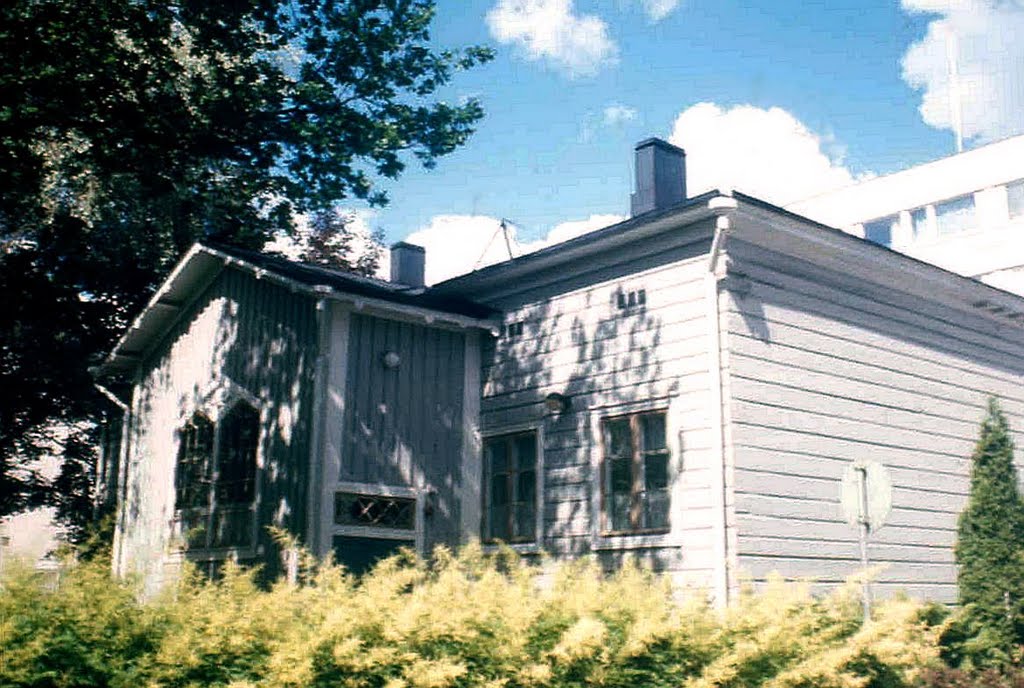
{"type": "Point", "coordinates": [466, 620]}
{"type": "Point", "coordinates": [989, 629]}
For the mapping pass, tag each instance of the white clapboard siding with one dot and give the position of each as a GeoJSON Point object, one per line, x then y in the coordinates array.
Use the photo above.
{"type": "Point", "coordinates": [527, 357]}
{"type": "Point", "coordinates": [928, 319]}
{"type": "Point", "coordinates": [576, 341]}
{"type": "Point", "coordinates": [821, 372]}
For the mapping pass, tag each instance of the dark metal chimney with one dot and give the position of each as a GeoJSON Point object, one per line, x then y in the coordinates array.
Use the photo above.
{"type": "Point", "coordinates": [660, 176]}
{"type": "Point", "coordinates": [408, 263]}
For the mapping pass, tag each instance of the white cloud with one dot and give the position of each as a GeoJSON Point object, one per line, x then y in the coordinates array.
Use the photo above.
{"type": "Point", "coordinates": [765, 153]}
{"type": "Point", "coordinates": [570, 230]}
{"type": "Point", "coordinates": [457, 244]}
{"type": "Point", "coordinates": [616, 114]}
{"type": "Point", "coordinates": [989, 51]}
{"type": "Point", "coordinates": [550, 30]}
{"type": "Point", "coordinates": [659, 9]}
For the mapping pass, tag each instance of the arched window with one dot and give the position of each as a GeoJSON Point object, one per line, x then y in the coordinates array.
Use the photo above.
{"type": "Point", "coordinates": [215, 479]}
{"type": "Point", "coordinates": [194, 470]}
{"type": "Point", "coordinates": [236, 455]}
{"type": "Point", "coordinates": [232, 517]}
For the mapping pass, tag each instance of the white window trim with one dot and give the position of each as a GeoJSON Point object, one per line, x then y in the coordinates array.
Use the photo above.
{"type": "Point", "coordinates": [673, 538]}
{"type": "Point", "coordinates": [217, 400]}
{"type": "Point", "coordinates": [414, 536]}
{"type": "Point", "coordinates": [536, 427]}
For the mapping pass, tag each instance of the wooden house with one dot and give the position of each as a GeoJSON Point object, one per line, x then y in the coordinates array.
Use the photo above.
{"type": "Point", "coordinates": [687, 387]}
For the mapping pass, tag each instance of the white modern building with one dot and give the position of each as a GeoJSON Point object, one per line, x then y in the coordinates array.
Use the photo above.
{"type": "Point", "coordinates": [964, 213]}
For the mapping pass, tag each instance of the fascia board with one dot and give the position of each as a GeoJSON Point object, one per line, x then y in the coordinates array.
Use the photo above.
{"type": "Point", "coordinates": [177, 287]}
{"type": "Point", "coordinates": [474, 284]}
{"type": "Point", "coordinates": [126, 353]}
{"type": "Point", "coordinates": [834, 249]}
{"type": "Point", "coordinates": [359, 303]}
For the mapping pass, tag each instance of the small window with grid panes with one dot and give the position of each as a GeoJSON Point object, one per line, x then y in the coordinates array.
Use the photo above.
{"type": "Point", "coordinates": [635, 474]}
{"type": "Point", "coordinates": [510, 494]}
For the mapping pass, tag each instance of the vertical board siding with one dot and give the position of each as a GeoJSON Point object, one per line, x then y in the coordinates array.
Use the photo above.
{"type": "Point", "coordinates": [576, 341]}
{"type": "Point", "coordinates": [241, 338]}
{"type": "Point", "coordinates": [824, 372]}
{"type": "Point", "coordinates": [403, 426]}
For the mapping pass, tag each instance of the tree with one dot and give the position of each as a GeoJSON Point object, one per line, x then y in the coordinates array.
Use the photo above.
{"type": "Point", "coordinates": [331, 241]}
{"type": "Point", "coordinates": [130, 128]}
{"type": "Point", "coordinates": [990, 541]}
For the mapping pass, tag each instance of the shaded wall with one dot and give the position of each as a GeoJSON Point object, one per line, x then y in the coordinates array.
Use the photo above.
{"type": "Point", "coordinates": [402, 425]}
{"type": "Point", "coordinates": [823, 370]}
{"type": "Point", "coordinates": [242, 338]}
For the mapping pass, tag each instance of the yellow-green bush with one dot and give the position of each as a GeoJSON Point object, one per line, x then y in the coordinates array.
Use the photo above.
{"type": "Point", "coordinates": [467, 620]}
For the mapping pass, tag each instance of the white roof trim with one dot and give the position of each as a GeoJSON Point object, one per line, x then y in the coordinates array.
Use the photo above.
{"type": "Point", "coordinates": [359, 303]}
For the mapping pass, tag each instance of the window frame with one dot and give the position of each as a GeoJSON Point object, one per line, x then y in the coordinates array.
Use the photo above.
{"type": "Point", "coordinates": [414, 536]}
{"type": "Point", "coordinates": [638, 471]}
{"type": "Point", "coordinates": [602, 539]}
{"type": "Point", "coordinates": [216, 411]}
{"type": "Point", "coordinates": [537, 430]}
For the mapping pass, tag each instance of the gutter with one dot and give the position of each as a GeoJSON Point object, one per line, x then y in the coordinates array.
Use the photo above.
{"type": "Point", "coordinates": [111, 396]}
{"type": "Point", "coordinates": [318, 292]}
{"type": "Point", "coordinates": [427, 315]}
{"type": "Point", "coordinates": [721, 206]}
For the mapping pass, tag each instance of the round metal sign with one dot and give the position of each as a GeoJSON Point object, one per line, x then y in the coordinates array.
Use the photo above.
{"type": "Point", "coordinates": [866, 493]}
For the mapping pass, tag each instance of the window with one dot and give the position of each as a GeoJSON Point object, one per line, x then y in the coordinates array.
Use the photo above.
{"type": "Point", "coordinates": [236, 467]}
{"type": "Point", "coordinates": [631, 300]}
{"type": "Point", "coordinates": [194, 474]}
{"type": "Point", "coordinates": [374, 511]}
{"type": "Point", "coordinates": [881, 231]}
{"type": "Point", "coordinates": [955, 215]}
{"type": "Point", "coordinates": [359, 554]}
{"type": "Point", "coordinates": [635, 474]}
{"type": "Point", "coordinates": [215, 479]}
{"type": "Point", "coordinates": [919, 221]}
{"type": "Point", "coordinates": [1015, 198]}
{"type": "Point", "coordinates": [372, 522]}
{"type": "Point", "coordinates": [510, 492]}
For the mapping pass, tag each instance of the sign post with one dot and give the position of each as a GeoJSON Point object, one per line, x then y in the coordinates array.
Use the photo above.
{"type": "Point", "coordinates": [867, 500]}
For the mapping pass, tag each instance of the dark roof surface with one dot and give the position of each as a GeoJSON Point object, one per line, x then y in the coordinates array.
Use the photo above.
{"type": "Point", "coordinates": [314, 275]}
{"type": "Point", "coordinates": [455, 284]}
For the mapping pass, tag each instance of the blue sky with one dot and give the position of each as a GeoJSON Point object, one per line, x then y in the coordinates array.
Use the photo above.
{"type": "Point", "coordinates": [811, 95]}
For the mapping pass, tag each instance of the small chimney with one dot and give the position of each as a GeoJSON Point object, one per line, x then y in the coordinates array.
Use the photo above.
{"type": "Point", "coordinates": [660, 176]}
{"type": "Point", "coordinates": [408, 263]}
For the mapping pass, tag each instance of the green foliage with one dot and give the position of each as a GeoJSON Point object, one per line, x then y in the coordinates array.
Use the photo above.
{"type": "Point", "coordinates": [990, 543]}
{"type": "Point", "coordinates": [131, 128]}
{"type": "Point", "coordinates": [330, 241]}
{"type": "Point", "coordinates": [466, 620]}
{"type": "Point", "coordinates": [78, 629]}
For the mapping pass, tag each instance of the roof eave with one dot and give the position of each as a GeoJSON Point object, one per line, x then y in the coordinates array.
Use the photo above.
{"type": "Point", "coordinates": [586, 245]}
{"type": "Point", "coordinates": [202, 263]}
{"type": "Point", "coordinates": [914, 276]}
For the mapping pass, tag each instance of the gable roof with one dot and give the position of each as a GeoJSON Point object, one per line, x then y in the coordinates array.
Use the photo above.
{"type": "Point", "coordinates": [629, 230]}
{"type": "Point", "coordinates": [356, 285]}
{"type": "Point", "coordinates": [204, 261]}
{"type": "Point", "coordinates": [770, 226]}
